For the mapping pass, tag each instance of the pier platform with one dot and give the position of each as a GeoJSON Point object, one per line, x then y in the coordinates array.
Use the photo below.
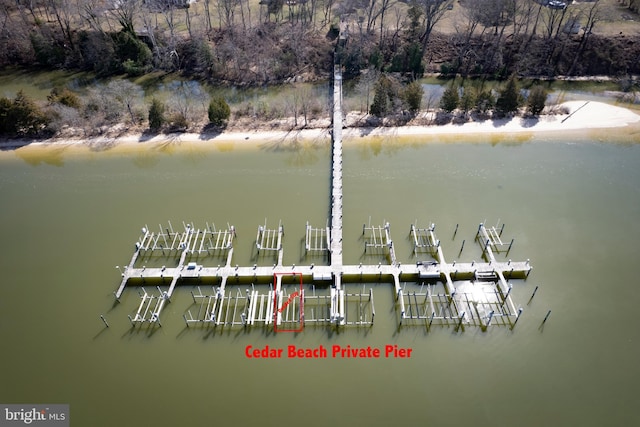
{"type": "Point", "coordinates": [447, 291]}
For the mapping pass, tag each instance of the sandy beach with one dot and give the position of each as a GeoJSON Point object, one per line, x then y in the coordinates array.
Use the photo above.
{"type": "Point", "coordinates": [581, 115]}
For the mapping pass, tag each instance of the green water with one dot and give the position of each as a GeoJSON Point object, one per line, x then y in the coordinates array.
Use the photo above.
{"type": "Point", "coordinates": [68, 217]}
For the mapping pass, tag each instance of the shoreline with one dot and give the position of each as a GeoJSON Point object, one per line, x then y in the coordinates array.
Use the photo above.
{"type": "Point", "coordinates": [582, 115]}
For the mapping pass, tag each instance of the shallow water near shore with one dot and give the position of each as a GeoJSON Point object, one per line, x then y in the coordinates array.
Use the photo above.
{"type": "Point", "coordinates": [70, 215]}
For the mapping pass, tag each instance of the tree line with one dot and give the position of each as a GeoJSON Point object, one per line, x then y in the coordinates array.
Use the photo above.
{"type": "Point", "coordinates": [397, 103]}
{"type": "Point", "coordinates": [240, 42]}
{"type": "Point", "coordinates": [220, 40]}
{"type": "Point", "coordinates": [120, 106]}
{"type": "Point", "coordinates": [489, 38]}
{"type": "Point", "coordinates": [105, 106]}
{"type": "Point", "coordinates": [507, 100]}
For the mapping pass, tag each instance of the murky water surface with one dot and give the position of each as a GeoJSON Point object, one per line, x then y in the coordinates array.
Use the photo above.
{"type": "Point", "coordinates": [68, 216]}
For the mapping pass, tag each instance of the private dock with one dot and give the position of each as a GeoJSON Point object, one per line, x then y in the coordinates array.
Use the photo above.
{"type": "Point", "coordinates": [289, 297]}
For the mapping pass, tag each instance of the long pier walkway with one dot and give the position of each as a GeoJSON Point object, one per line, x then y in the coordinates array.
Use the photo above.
{"type": "Point", "coordinates": [337, 309]}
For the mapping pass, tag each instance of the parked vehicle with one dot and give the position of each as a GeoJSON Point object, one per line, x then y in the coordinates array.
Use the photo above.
{"type": "Point", "coordinates": [556, 4]}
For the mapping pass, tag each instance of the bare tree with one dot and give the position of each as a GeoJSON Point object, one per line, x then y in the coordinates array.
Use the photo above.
{"type": "Point", "coordinates": [496, 14]}
{"type": "Point", "coordinates": [128, 95]}
{"type": "Point", "coordinates": [187, 18]}
{"type": "Point", "coordinates": [430, 102]}
{"type": "Point", "coordinates": [465, 31]}
{"type": "Point", "coordinates": [150, 24]}
{"type": "Point", "coordinates": [327, 7]}
{"type": "Point", "coordinates": [432, 13]}
{"type": "Point", "coordinates": [592, 16]}
{"type": "Point", "coordinates": [207, 15]}
{"type": "Point", "coordinates": [400, 23]}
{"type": "Point", "coordinates": [63, 11]}
{"type": "Point", "coordinates": [226, 12]}
{"type": "Point", "coordinates": [189, 100]}
{"type": "Point", "coordinates": [245, 14]}
{"type": "Point", "coordinates": [307, 101]}
{"type": "Point", "coordinates": [553, 20]}
{"type": "Point", "coordinates": [90, 11]}
{"type": "Point", "coordinates": [385, 6]}
{"type": "Point", "coordinates": [5, 15]}
{"type": "Point", "coordinates": [523, 13]}
{"type": "Point", "coordinates": [169, 19]}
{"type": "Point", "coordinates": [294, 103]}
{"type": "Point", "coordinates": [125, 13]}
{"type": "Point", "coordinates": [365, 86]}
{"type": "Point", "coordinates": [372, 11]}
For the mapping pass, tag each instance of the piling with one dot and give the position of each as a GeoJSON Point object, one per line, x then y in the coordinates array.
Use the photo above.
{"type": "Point", "coordinates": [490, 317]}
{"type": "Point", "coordinates": [517, 318]}
{"type": "Point", "coordinates": [507, 295]}
{"type": "Point", "coordinates": [461, 319]}
{"type": "Point", "coordinates": [104, 321]}
{"type": "Point", "coordinates": [532, 295]}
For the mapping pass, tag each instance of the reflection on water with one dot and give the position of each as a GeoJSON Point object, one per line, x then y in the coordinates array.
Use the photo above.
{"type": "Point", "coordinates": [146, 160]}
{"type": "Point", "coordinates": [571, 204]}
{"type": "Point", "coordinates": [53, 155]}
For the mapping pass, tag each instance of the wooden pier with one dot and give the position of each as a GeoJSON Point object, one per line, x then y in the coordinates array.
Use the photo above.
{"type": "Point", "coordinates": [469, 292]}
{"type": "Point", "coordinates": [167, 242]}
{"type": "Point", "coordinates": [335, 241]}
{"type": "Point", "coordinates": [427, 292]}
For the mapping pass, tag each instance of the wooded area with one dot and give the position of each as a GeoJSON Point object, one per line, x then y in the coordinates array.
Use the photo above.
{"type": "Point", "coordinates": [246, 42]}
{"type": "Point", "coordinates": [384, 44]}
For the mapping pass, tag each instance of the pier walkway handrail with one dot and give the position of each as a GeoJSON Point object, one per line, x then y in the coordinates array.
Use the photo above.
{"type": "Point", "coordinates": [336, 178]}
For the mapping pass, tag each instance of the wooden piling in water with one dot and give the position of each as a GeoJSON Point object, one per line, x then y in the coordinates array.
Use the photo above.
{"type": "Point", "coordinates": [104, 320]}
{"type": "Point", "coordinates": [517, 318]}
{"type": "Point", "coordinates": [461, 319]}
{"type": "Point", "coordinates": [532, 295]}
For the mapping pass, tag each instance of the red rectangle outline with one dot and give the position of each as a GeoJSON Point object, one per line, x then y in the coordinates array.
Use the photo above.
{"type": "Point", "coordinates": [275, 304]}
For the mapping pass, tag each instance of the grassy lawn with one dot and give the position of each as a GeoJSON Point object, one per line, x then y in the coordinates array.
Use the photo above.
{"type": "Point", "coordinates": [615, 19]}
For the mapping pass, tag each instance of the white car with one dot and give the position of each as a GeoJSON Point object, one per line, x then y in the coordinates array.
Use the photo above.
{"type": "Point", "coordinates": [556, 4]}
